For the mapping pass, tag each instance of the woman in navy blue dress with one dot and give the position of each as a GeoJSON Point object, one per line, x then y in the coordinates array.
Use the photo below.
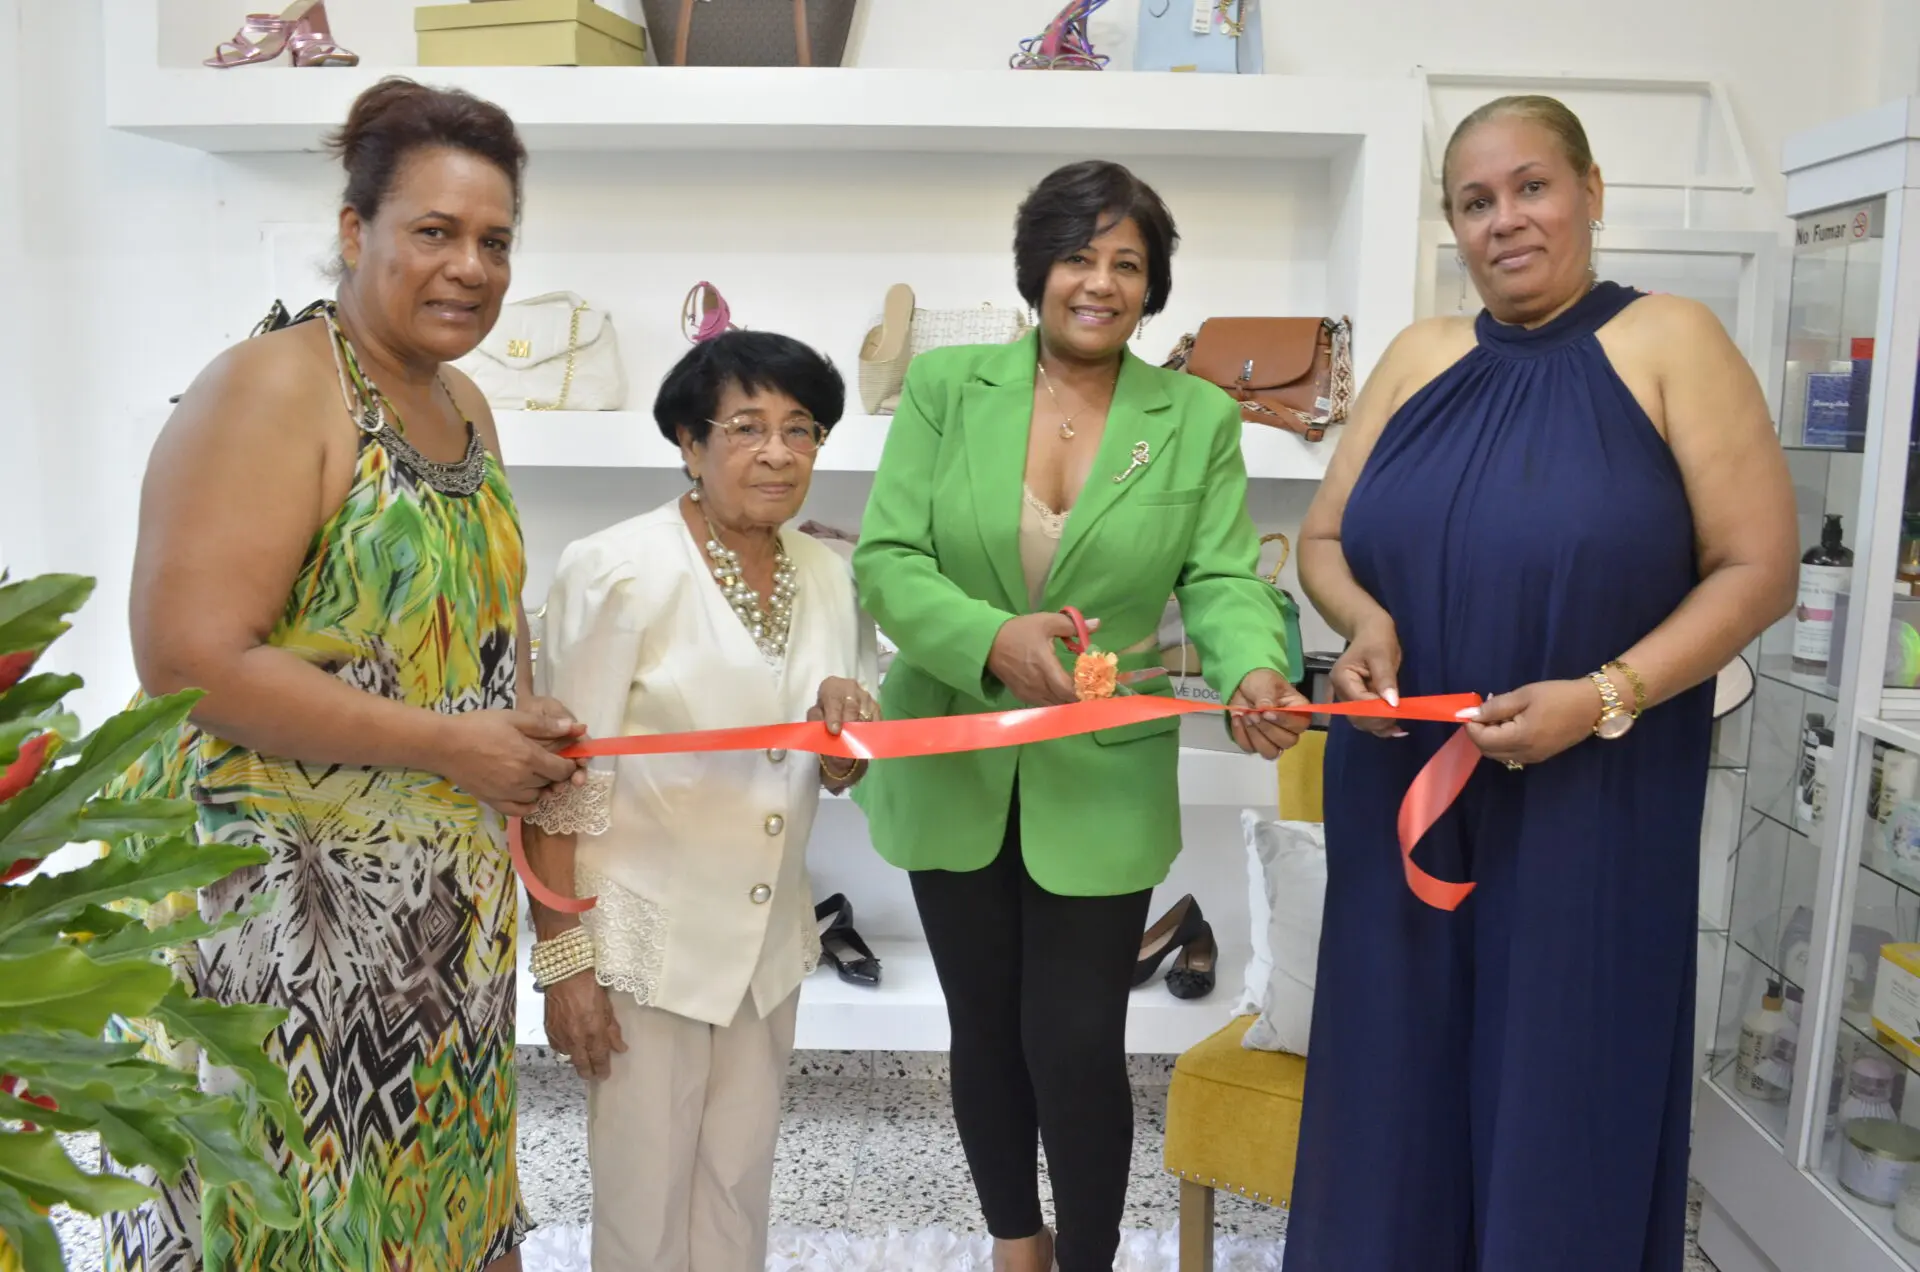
{"type": "Point", "coordinates": [1574, 502]}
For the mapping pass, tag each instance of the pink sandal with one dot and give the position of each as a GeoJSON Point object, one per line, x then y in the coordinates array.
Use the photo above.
{"type": "Point", "coordinates": [265, 36]}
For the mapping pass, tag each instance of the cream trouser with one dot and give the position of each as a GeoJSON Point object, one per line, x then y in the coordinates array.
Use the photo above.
{"type": "Point", "coordinates": [680, 1139]}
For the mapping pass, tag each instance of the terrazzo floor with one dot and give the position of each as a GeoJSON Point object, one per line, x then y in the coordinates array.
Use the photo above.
{"type": "Point", "coordinates": [867, 1146]}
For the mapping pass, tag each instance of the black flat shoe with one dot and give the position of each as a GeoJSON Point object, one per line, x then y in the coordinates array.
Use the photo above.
{"type": "Point", "coordinates": [1180, 925]}
{"type": "Point", "coordinates": [1192, 974]}
{"type": "Point", "coordinates": [841, 946]}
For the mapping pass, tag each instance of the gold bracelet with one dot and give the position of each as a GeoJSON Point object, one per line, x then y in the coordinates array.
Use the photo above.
{"type": "Point", "coordinates": [1633, 678]}
{"type": "Point", "coordinates": [832, 776]}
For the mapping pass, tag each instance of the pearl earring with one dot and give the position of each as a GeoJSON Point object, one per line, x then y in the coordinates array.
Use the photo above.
{"type": "Point", "coordinates": [1596, 225]}
{"type": "Point", "coordinates": [694, 494]}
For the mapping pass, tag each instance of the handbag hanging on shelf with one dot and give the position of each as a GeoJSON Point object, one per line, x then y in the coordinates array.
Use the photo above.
{"type": "Point", "coordinates": [1290, 373]}
{"type": "Point", "coordinates": [1221, 37]}
{"type": "Point", "coordinates": [1178, 654]}
{"type": "Point", "coordinates": [750, 32]}
{"type": "Point", "coordinates": [549, 353]}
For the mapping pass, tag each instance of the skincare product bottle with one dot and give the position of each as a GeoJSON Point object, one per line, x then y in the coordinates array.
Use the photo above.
{"type": "Point", "coordinates": [1825, 571]}
{"type": "Point", "coordinates": [1757, 1069]}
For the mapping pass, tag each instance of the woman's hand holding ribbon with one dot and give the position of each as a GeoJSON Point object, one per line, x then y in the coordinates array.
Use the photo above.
{"type": "Point", "coordinates": [1534, 722]}
{"type": "Point", "coordinates": [1261, 730]}
{"type": "Point", "coordinates": [1369, 671]}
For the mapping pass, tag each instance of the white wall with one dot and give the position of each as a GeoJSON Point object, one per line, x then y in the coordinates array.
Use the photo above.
{"type": "Point", "coordinates": [126, 263]}
{"type": "Point", "coordinates": [132, 256]}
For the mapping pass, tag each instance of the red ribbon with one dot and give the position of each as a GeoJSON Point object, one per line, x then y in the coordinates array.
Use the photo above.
{"type": "Point", "coordinates": [1434, 788]}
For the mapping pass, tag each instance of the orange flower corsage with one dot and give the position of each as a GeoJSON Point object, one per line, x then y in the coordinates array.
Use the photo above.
{"type": "Point", "coordinates": [1095, 674]}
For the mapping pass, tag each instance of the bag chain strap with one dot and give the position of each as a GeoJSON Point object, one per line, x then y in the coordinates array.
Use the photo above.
{"type": "Point", "coordinates": [566, 378]}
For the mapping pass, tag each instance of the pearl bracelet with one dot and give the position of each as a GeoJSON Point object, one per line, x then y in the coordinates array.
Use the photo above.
{"type": "Point", "coordinates": [565, 955]}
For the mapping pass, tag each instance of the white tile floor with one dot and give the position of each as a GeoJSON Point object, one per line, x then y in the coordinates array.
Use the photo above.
{"type": "Point", "coordinates": [867, 1146]}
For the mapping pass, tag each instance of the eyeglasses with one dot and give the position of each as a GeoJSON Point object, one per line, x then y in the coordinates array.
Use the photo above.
{"type": "Point", "coordinates": [750, 433]}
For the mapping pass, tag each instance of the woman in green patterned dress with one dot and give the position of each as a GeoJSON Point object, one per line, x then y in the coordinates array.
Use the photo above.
{"type": "Point", "coordinates": [328, 546]}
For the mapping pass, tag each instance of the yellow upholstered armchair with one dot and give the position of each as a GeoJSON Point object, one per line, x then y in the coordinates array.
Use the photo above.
{"type": "Point", "coordinates": [1233, 1115]}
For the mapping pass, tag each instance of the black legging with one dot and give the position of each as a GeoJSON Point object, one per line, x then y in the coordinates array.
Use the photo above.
{"type": "Point", "coordinates": [1036, 987]}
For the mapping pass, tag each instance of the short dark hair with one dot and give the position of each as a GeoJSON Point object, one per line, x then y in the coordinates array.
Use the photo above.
{"type": "Point", "coordinates": [397, 116]}
{"type": "Point", "coordinates": [752, 361]}
{"type": "Point", "coordinates": [1076, 204]}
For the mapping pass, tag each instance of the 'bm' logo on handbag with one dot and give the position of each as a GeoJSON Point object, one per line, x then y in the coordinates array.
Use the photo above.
{"type": "Point", "coordinates": [519, 348]}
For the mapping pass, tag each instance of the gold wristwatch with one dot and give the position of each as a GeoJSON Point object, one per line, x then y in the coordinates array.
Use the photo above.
{"type": "Point", "coordinates": [1616, 717]}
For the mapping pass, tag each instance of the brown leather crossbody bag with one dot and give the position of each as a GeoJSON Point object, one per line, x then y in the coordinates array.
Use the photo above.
{"type": "Point", "coordinates": [1291, 373]}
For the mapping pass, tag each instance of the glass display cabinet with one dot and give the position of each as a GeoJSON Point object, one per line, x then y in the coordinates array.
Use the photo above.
{"type": "Point", "coordinates": [1807, 1127]}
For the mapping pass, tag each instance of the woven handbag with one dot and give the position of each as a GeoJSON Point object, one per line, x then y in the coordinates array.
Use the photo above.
{"type": "Point", "coordinates": [750, 32]}
{"type": "Point", "coordinates": [982, 324]}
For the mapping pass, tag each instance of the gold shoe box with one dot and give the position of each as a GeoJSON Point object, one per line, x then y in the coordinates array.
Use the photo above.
{"type": "Point", "coordinates": [527, 33]}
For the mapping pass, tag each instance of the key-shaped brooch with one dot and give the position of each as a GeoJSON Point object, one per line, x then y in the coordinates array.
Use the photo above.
{"type": "Point", "coordinates": [1142, 456]}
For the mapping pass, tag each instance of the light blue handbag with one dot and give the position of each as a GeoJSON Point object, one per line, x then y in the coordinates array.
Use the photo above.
{"type": "Point", "coordinates": [1167, 40]}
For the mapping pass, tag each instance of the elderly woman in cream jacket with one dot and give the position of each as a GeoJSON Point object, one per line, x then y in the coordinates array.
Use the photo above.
{"type": "Point", "coordinates": [674, 996]}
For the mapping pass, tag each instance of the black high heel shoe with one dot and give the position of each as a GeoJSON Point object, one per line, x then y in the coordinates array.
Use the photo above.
{"type": "Point", "coordinates": [1192, 974]}
{"type": "Point", "coordinates": [841, 946]}
{"type": "Point", "coordinates": [1179, 927]}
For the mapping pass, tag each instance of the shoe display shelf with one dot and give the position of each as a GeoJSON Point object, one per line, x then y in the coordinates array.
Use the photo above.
{"type": "Point", "coordinates": [1295, 195]}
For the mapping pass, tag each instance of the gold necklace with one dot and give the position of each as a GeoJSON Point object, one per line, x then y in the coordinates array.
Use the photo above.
{"type": "Point", "coordinates": [1066, 424]}
{"type": "Point", "coordinates": [768, 624]}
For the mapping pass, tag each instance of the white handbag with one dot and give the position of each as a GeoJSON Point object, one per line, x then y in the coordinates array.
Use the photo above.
{"type": "Point", "coordinates": [550, 353]}
{"type": "Point", "coordinates": [984, 324]}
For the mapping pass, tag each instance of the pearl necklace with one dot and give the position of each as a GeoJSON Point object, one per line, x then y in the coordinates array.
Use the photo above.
{"type": "Point", "coordinates": [769, 624]}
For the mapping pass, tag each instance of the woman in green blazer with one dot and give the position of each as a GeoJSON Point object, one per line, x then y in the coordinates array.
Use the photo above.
{"type": "Point", "coordinates": [1018, 479]}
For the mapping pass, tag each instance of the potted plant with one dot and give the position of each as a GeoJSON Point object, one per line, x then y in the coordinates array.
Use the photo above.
{"type": "Point", "coordinates": [75, 955]}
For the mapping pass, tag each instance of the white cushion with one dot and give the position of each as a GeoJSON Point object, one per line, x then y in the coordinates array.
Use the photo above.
{"type": "Point", "coordinates": [1287, 878]}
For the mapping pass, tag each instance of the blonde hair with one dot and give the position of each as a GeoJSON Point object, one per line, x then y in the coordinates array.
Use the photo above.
{"type": "Point", "coordinates": [1549, 112]}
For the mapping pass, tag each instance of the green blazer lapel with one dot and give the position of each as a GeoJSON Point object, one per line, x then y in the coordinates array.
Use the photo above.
{"type": "Point", "coordinates": [997, 407]}
{"type": "Point", "coordinates": [1140, 415]}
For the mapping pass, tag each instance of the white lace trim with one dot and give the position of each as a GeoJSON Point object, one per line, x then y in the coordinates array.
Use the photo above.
{"type": "Point", "coordinates": [809, 952]}
{"type": "Point", "coordinates": [1052, 524]}
{"type": "Point", "coordinates": [577, 810]}
{"type": "Point", "coordinates": [629, 936]}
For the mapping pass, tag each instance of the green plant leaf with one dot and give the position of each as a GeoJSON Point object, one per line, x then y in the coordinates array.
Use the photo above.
{"type": "Point", "coordinates": [138, 940]}
{"type": "Point", "coordinates": [33, 611]}
{"type": "Point", "coordinates": [92, 921]}
{"type": "Point", "coordinates": [144, 1133]}
{"type": "Point", "coordinates": [232, 1035]}
{"type": "Point", "coordinates": [95, 920]}
{"type": "Point", "coordinates": [37, 1166]}
{"type": "Point", "coordinates": [46, 815]}
{"type": "Point", "coordinates": [112, 819]}
{"type": "Point", "coordinates": [62, 724]}
{"type": "Point", "coordinates": [35, 694]}
{"type": "Point", "coordinates": [29, 1054]}
{"type": "Point", "coordinates": [226, 1157]}
{"type": "Point", "coordinates": [61, 988]}
{"type": "Point", "coordinates": [180, 864]}
{"type": "Point", "coordinates": [30, 1233]}
{"type": "Point", "coordinates": [15, 1109]}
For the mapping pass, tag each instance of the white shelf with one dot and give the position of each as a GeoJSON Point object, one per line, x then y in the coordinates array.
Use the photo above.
{"type": "Point", "coordinates": [907, 1012]}
{"type": "Point", "coordinates": [278, 108]}
{"type": "Point", "coordinates": [630, 439]}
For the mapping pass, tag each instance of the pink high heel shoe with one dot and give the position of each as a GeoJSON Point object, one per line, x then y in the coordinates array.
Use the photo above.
{"type": "Point", "coordinates": [265, 36]}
